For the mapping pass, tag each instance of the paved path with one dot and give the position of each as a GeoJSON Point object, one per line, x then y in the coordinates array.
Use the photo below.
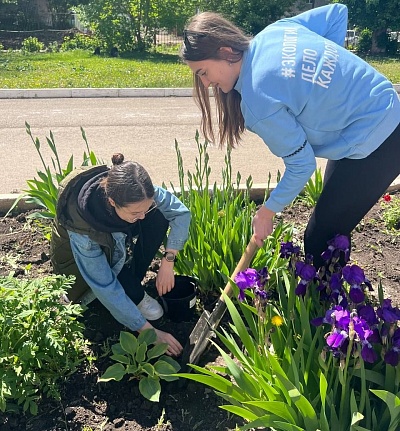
{"type": "Point", "coordinates": [143, 129]}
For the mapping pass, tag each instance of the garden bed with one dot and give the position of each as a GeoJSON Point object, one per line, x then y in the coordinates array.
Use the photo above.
{"type": "Point", "coordinates": [87, 405]}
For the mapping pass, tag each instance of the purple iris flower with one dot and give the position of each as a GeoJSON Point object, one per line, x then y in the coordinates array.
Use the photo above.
{"type": "Point", "coordinates": [356, 294]}
{"type": "Point", "coordinates": [336, 282]}
{"type": "Point", "coordinates": [263, 277]}
{"type": "Point", "coordinates": [251, 279]}
{"type": "Point", "coordinates": [301, 288]}
{"type": "Point", "coordinates": [353, 274]}
{"type": "Point", "coordinates": [336, 338]}
{"type": "Point", "coordinates": [263, 294]}
{"type": "Point", "coordinates": [340, 243]}
{"type": "Point", "coordinates": [288, 249]}
{"type": "Point", "coordinates": [246, 279]}
{"type": "Point", "coordinates": [307, 273]}
{"type": "Point", "coordinates": [388, 313]}
{"type": "Point", "coordinates": [367, 313]}
{"type": "Point", "coordinates": [368, 353]}
{"type": "Point", "coordinates": [391, 357]}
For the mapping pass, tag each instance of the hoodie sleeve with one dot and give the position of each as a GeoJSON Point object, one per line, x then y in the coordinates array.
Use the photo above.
{"type": "Point", "coordinates": [286, 139]}
{"type": "Point", "coordinates": [328, 21]}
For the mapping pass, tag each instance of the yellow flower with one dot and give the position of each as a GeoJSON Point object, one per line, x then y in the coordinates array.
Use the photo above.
{"type": "Point", "coordinates": [277, 320]}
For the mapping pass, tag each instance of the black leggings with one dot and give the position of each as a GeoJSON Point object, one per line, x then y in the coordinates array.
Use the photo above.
{"type": "Point", "coordinates": [151, 232]}
{"type": "Point", "coordinates": [351, 189]}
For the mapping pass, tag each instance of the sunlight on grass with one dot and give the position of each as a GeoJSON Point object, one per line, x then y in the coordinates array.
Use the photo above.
{"type": "Point", "coordinates": [82, 69]}
{"type": "Point", "coordinates": [77, 69]}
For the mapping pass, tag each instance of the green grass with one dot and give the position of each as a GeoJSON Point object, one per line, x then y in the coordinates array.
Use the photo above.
{"type": "Point", "coordinates": [390, 67]}
{"type": "Point", "coordinates": [81, 69]}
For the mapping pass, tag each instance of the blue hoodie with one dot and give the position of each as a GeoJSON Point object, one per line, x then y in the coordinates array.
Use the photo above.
{"type": "Point", "coordinates": [307, 96]}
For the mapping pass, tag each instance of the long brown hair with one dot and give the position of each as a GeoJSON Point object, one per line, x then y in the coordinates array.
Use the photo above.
{"type": "Point", "coordinates": [205, 34]}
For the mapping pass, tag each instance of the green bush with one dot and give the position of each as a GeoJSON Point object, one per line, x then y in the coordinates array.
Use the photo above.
{"type": "Point", "coordinates": [41, 341]}
{"type": "Point", "coordinates": [391, 212]}
{"type": "Point", "coordinates": [365, 41]}
{"type": "Point", "coordinates": [32, 44]}
{"type": "Point", "coordinates": [80, 41]}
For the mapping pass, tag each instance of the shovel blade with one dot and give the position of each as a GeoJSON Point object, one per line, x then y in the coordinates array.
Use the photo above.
{"type": "Point", "coordinates": [201, 334]}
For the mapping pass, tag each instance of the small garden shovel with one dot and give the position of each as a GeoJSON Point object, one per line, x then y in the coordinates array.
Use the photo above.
{"type": "Point", "coordinates": [208, 322]}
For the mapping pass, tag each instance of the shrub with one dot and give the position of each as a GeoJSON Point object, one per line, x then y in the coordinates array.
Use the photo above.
{"type": "Point", "coordinates": [41, 341]}
{"type": "Point", "coordinates": [365, 41]}
{"type": "Point", "coordinates": [32, 44]}
{"type": "Point", "coordinates": [53, 47]}
{"type": "Point", "coordinates": [80, 41]}
{"type": "Point", "coordinates": [391, 212]}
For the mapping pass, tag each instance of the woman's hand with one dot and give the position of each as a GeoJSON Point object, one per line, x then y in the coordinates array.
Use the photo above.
{"type": "Point", "coordinates": [165, 280]}
{"type": "Point", "coordinates": [263, 224]}
{"type": "Point", "coordinates": [174, 346]}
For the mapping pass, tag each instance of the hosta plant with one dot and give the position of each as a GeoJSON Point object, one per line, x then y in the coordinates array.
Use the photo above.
{"type": "Point", "coordinates": [41, 340]}
{"type": "Point", "coordinates": [307, 349]}
{"type": "Point", "coordinates": [142, 359]}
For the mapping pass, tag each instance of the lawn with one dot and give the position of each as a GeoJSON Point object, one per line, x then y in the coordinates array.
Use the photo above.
{"type": "Point", "coordinates": [82, 69]}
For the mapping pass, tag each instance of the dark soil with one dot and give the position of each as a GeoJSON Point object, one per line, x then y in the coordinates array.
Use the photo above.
{"type": "Point", "coordinates": [90, 406]}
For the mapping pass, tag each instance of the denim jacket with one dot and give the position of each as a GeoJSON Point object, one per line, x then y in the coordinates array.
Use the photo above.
{"type": "Point", "coordinates": [101, 275]}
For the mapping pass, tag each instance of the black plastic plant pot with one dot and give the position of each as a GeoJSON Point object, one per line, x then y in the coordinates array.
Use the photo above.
{"type": "Point", "coordinates": [179, 304]}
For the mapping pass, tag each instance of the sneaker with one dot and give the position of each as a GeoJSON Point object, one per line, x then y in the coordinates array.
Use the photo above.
{"type": "Point", "coordinates": [150, 308]}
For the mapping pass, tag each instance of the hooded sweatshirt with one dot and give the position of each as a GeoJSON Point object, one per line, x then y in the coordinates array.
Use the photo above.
{"type": "Point", "coordinates": [307, 96]}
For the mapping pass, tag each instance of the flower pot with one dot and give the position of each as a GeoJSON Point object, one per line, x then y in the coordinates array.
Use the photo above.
{"type": "Point", "coordinates": [179, 304]}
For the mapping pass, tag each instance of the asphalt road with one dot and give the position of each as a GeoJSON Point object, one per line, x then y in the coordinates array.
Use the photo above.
{"type": "Point", "coordinates": [143, 129]}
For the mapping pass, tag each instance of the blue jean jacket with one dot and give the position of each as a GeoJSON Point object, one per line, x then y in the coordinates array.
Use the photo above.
{"type": "Point", "coordinates": [101, 277]}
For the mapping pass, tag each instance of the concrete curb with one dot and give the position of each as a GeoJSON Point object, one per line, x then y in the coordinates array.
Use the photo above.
{"type": "Point", "coordinates": [257, 193]}
{"type": "Point", "coordinates": [51, 93]}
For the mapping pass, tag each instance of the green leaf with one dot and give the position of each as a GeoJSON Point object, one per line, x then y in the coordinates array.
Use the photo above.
{"type": "Point", "coordinates": [113, 372]}
{"type": "Point", "coordinates": [393, 403]}
{"type": "Point", "coordinates": [163, 368]}
{"type": "Point", "coordinates": [150, 388]}
{"type": "Point", "coordinates": [149, 369]}
{"type": "Point", "coordinates": [121, 358]}
{"type": "Point", "coordinates": [157, 350]}
{"type": "Point", "coordinates": [128, 342]}
{"type": "Point", "coordinates": [140, 355]}
{"type": "Point", "coordinates": [147, 336]}
{"type": "Point", "coordinates": [277, 408]}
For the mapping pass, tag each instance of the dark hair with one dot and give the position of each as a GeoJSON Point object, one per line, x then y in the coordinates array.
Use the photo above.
{"type": "Point", "coordinates": [127, 182]}
{"type": "Point", "coordinates": [205, 34]}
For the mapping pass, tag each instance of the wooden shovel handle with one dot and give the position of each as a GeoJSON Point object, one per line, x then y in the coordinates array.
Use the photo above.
{"type": "Point", "coordinates": [243, 264]}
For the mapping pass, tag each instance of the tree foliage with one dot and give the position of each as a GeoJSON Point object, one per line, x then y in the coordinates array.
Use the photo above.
{"type": "Point", "coordinates": [252, 15]}
{"type": "Point", "coordinates": [132, 24]}
{"type": "Point", "coordinates": [374, 14]}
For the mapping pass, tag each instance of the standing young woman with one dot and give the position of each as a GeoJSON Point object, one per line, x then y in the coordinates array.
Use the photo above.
{"type": "Point", "coordinates": [306, 96]}
{"type": "Point", "coordinates": [110, 224]}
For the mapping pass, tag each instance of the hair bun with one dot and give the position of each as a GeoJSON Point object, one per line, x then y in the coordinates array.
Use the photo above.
{"type": "Point", "coordinates": [117, 159]}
